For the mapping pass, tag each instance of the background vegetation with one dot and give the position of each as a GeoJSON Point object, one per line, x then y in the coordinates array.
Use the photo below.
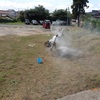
{"type": "Point", "coordinates": [22, 78]}
{"type": "Point", "coordinates": [40, 13]}
{"type": "Point", "coordinates": [78, 9]}
{"type": "Point", "coordinates": [91, 23]}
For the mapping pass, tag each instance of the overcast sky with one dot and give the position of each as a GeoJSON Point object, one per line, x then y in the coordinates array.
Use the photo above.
{"type": "Point", "coordinates": [51, 5]}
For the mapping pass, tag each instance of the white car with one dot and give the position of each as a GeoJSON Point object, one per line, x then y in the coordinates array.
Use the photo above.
{"type": "Point", "coordinates": [34, 22]}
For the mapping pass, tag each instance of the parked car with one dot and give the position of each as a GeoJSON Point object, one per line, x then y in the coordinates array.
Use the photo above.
{"type": "Point", "coordinates": [34, 22]}
{"type": "Point", "coordinates": [46, 24]}
{"type": "Point", "coordinates": [41, 22]}
{"type": "Point", "coordinates": [59, 22]}
{"type": "Point", "coordinates": [27, 22]}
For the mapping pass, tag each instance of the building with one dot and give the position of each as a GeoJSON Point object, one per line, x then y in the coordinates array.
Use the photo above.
{"type": "Point", "coordinates": [8, 13]}
{"type": "Point", "coordinates": [95, 13]}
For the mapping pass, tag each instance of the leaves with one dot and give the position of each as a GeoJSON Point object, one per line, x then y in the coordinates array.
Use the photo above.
{"type": "Point", "coordinates": [39, 12]}
{"type": "Point", "coordinates": [78, 8]}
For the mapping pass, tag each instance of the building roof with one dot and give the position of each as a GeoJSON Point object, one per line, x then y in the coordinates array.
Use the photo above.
{"type": "Point", "coordinates": [4, 11]}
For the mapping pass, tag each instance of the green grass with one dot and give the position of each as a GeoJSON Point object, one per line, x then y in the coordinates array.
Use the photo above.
{"type": "Point", "coordinates": [16, 56]}
{"type": "Point", "coordinates": [95, 47]}
{"type": "Point", "coordinates": [13, 23]}
{"type": "Point", "coordinates": [21, 74]}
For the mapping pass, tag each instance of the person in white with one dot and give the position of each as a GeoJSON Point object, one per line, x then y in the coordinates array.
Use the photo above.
{"type": "Point", "coordinates": [53, 42]}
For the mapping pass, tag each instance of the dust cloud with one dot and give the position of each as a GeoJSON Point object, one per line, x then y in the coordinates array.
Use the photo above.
{"type": "Point", "coordinates": [64, 42]}
{"type": "Point", "coordinates": [75, 42]}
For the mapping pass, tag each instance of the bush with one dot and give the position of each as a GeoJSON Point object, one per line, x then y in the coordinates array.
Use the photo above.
{"type": "Point", "coordinates": [92, 24]}
{"type": "Point", "coordinates": [5, 20]}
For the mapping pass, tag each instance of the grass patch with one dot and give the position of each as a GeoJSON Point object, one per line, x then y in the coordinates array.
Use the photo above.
{"type": "Point", "coordinates": [21, 74]}
{"type": "Point", "coordinates": [17, 57]}
{"type": "Point", "coordinates": [13, 23]}
{"type": "Point", "coordinates": [96, 49]}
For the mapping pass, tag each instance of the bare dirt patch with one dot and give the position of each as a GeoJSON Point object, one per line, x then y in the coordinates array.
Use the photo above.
{"type": "Point", "coordinates": [22, 30]}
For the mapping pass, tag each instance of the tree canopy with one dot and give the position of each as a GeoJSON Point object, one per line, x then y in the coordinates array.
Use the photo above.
{"type": "Point", "coordinates": [60, 14]}
{"type": "Point", "coordinates": [37, 13]}
{"type": "Point", "coordinates": [40, 13]}
{"type": "Point", "coordinates": [78, 8]}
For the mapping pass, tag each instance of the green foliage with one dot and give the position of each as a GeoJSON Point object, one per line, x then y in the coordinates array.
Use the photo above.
{"type": "Point", "coordinates": [38, 13]}
{"type": "Point", "coordinates": [92, 23]}
{"type": "Point", "coordinates": [78, 8]}
{"type": "Point", "coordinates": [21, 16]}
{"type": "Point", "coordinates": [98, 25]}
{"type": "Point", "coordinates": [7, 20]}
{"type": "Point", "coordinates": [41, 12]}
{"type": "Point", "coordinates": [87, 17]}
{"type": "Point", "coordinates": [15, 23]}
{"type": "Point", "coordinates": [61, 14]}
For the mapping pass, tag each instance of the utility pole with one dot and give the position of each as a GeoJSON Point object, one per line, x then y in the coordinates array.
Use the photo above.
{"type": "Point", "coordinates": [67, 14]}
{"type": "Point", "coordinates": [67, 17]}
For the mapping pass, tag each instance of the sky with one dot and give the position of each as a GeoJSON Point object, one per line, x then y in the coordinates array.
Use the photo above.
{"type": "Point", "coordinates": [51, 5]}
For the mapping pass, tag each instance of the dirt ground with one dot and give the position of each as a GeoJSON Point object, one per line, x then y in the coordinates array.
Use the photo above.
{"type": "Point", "coordinates": [81, 64]}
{"type": "Point", "coordinates": [22, 30]}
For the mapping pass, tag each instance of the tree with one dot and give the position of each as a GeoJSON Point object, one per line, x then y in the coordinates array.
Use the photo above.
{"type": "Point", "coordinates": [60, 14]}
{"type": "Point", "coordinates": [41, 13]}
{"type": "Point", "coordinates": [78, 8]}
{"type": "Point", "coordinates": [38, 13]}
{"type": "Point", "coordinates": [21, 16]}
{"type": "Point", "coordinates": [29, 14]}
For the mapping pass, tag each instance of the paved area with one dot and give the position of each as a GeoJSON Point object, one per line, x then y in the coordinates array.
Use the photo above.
{"type": "Point", "coordinates": [93, 94]}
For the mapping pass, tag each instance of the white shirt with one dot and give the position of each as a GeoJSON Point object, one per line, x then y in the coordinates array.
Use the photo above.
{"type": "Point", "coordinates": [53, 39]}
